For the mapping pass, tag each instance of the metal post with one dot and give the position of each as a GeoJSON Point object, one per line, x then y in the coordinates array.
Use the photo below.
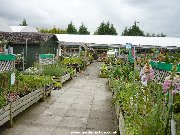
{"type": "Point", "coordinates": [23, 59]}
{"type": "Point", "coordinates": [26, 50]}
{"type": "Point", "coordinates": [134, 58]}
{"type": "Point", "coordinates": [79, 50]}
{"type": "Point", "coordinates": [5, 49]}
{"type": "Point", "coordinates": [40, 64]}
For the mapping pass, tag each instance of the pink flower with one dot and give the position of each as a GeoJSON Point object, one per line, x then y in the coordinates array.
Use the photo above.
{"type": "Point", "coordinates": [165, 91]}
{"type": "Point", "coordinates": [174, 92]}
{"type": "Point", "coordinates": [178, 88]}
{"type": "Point", "coordinates": [144, 79]}
{"type": "Point", "coordinates": [167, 83]}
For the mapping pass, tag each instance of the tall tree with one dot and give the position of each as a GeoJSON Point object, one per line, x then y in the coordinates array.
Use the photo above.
{"type": "Point", "coordinates": [23, 23]}
{"type": "Point", "coordinates": [105, 29]}
{"type": "Point", "coordinates": [133, 31]}
{"type": "Point", "coordinates": [153, 35]}
{"type": "Point", "coordinates": [83, 30]}
{"type": "Point", "coordinates": [147, 35]}
{"type": "Point", "coordinates": [71, 29]}
{"type": "Point", "coordinates": [162, 35]}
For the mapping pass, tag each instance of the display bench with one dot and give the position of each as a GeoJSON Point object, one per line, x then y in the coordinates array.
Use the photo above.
{"type": "Point", "coordinates": [58, 81]}
{"type": "Point", "coordinates": [13, 108]}
{"type": "Point", "coordinates": [46, 59]}
{"type": "Point", "coordinates": [8, 112]}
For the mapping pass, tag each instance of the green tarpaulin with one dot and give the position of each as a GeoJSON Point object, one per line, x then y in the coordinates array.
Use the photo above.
{"type": "Point", "coordinates": [7, 57]}
{"type": "Point", "coordinates": [43, 56]}
{"type": "Point", "coordinates": [163, 66]}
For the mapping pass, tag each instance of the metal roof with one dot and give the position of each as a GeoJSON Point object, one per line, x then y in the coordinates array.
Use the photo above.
{"type": "Point", "coordinates": [120, 40]}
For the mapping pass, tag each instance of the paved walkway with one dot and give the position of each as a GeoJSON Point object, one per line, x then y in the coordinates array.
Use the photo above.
{"type": "Point", "coordinates": [82, 106]}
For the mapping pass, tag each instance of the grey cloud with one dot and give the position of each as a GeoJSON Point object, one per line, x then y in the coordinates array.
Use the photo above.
{"type": "Point", "coordinates": [153, 16]}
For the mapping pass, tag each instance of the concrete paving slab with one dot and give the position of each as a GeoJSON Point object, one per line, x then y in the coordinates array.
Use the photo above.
{"type": "Point", "coordinates": [98, 107]}
{"type": "Point", "coordinates": [61, 105]}
{"type": "Point", "coordinates": [68, 131]}
{"type": "Point", "coordinates": [38, 131]}
{"type": "Point", "coordinates": [101, 114]}
{"type": "Point", "coordinates": [84, 101]}
{"type": "Point", "coordinates": [78, 113]}
{"type": "Point", "coordinates": [54, 111]}
{"type": "Point", "coordinates": [81, 106]}
{"type": "Point", "coordinates": [46, 120]}
{"type": "Point", "coordinates": [66, 100]}
{"type": "Point", "coordinates": [73, 122]}
{"type": "Point", "coordinates": [102, 125]}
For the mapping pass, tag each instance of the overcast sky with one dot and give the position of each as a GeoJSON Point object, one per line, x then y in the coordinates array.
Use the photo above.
{"type": "Point", "coordinates": [153, 15]}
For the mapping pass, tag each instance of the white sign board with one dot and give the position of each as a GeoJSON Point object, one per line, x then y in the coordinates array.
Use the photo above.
{"type": "Point", "coordinates": [12, 78]}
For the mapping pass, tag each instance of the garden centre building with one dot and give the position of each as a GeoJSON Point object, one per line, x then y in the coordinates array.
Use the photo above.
{"type": "Point", "coordinates": [29, 45]}
{"type": "Point", "coordinates": [107, 97]}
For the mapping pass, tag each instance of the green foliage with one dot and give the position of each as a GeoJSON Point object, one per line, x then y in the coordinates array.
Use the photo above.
{"type": "Point", "coordinates": [54, 70]}
{"type": "Point", "coordinates": [3, 100]}
{"type": "Point", "coordinates": [109, 60]}
{"type": "Point", "coordinates": [143, 107]}
{"type": "Point", "coordinates": [172, 58]}
{"type": "Point", "coordinates": [71, 71]}
{"type": "Point", "coordinates": [104, 71]}
{"type": "Point", "coordinates": [73, 61]}
{"type": "Point", "coordinates": [90, 57]}
{"type": "Point", "coordinates": [71, 29]}
{"type": "Point", "coordinates": [54, 30]}
{"type": "Point", "coordinates": [24, 23]}
{"type": "Point", "coordinates": [4, 85]}
{"type": "Point", "coordinates": [177, 119]}
{"type": "Point", "coordinates": [83, 30]}
{"type": "Point", "coordinates": [154, 35]}
{"type": "Point", "coordinates": [177, 103]}
{"type": "Point", "coordinates": [24, 84]}
{"type": "Point", "coordinates": [133, 31]}
{"type": "Point", "coordinates": [105, 29]}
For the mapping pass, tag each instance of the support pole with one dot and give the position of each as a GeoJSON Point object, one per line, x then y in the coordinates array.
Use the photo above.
{"type": "Point", "coordinates": [11, 117]}
{"type": "Point", "coordinates": [134, 58]}
{"type": "Point", "coordinates": [26, 50]}
{"type": "Point", "coordinates": [23, 59]}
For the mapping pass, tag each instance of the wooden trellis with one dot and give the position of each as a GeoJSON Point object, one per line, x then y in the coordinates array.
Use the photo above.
{"type": "Point", "coordinates": [7, 62]}
{"type": "Point", "coordinates": [160, 75]}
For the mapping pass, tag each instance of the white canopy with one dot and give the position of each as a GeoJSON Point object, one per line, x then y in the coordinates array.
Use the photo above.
{"type": "Point", "coordinates": [120, 40]}
{"type": "Point", "coordinates": [23, 29]}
